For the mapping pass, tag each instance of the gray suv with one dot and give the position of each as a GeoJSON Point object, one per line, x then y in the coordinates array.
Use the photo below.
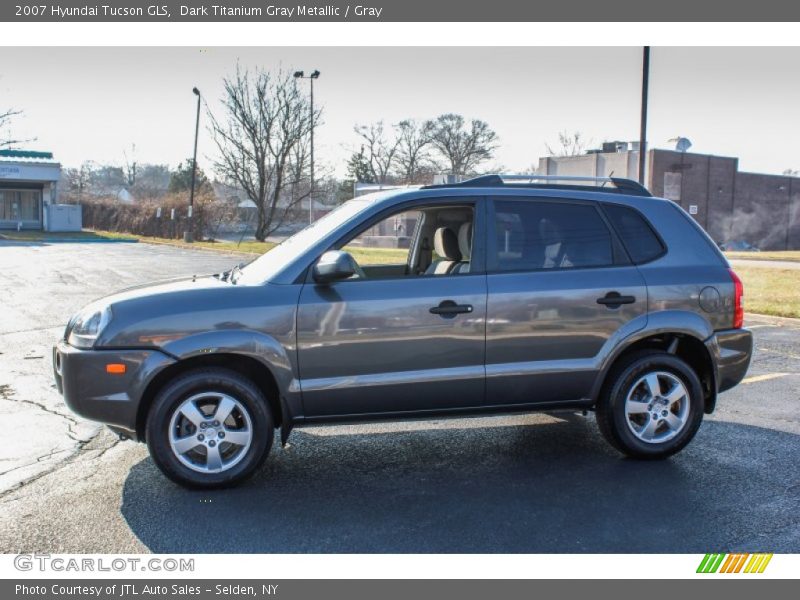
{"type": "Point", "coordinates": [497, 294]}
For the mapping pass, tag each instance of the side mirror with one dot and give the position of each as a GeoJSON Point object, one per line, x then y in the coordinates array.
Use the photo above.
{"type": "Point", "coordinates": [334, 265]}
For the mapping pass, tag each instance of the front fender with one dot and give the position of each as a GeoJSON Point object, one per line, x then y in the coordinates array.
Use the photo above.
{"type": "Point", "coordinates": [262, 347]}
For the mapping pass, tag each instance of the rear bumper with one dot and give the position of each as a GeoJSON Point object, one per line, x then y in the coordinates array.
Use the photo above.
{"type": "Point", "coordinates": [92, 393]}
{"type": "Point", "coordinates": [731, 351]}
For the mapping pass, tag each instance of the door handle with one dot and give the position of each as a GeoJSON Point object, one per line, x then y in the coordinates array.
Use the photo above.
{"type": "Point", "coordinates": [449, 309]}
{"type": "Point", "coordinates": [615, 300]}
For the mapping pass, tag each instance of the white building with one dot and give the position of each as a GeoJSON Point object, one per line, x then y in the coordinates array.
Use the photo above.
{"type": "Point", "coordinates": [28, 182]}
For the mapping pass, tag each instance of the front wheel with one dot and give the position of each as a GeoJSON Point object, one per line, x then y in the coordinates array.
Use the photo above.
{"type": "Point", "coordinates": [651, 405]}
{"type": "Point", "coordinates": [209, 428]}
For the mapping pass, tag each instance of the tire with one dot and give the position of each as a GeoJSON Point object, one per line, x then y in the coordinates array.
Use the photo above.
{"type": "Point", "coordinates": [209, 428]}
{"type": "Point", "coordinates": [626, 407]}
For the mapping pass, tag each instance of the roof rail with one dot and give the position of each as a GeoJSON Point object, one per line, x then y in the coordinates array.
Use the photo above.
{"type": "Point", "coordinates": [591, 184]}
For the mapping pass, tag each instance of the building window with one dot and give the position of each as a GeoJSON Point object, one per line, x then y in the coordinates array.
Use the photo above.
{"type": "Point", "coordinates": [20, 205]}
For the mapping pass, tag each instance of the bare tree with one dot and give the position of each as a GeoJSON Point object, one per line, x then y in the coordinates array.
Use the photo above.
{"type": "Point", "coordinates": [78, 181]}
{"type": "Point", "coordinates": [568, 145]}
{"type": "Point", "coordinates": [6, 118]}
{"type": "Point", "coordinates": [792, 172]}
{"type": "Point", "coordinates": [413, 153]}
{"type": "Point", "coordinates": [266, 120]}
{"type": "Point", "coordinates": [379, 150]}
{"type": "Point", "coordinates": [152, 181]}
{"type": "Point", "coordinates": [462, 145]}
{"type": "Point", "coordinates": [130, 165]}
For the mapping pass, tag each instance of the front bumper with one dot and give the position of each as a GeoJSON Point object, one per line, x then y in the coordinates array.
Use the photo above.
{"type": "Point", "coordinates": [731, 351]}
{"type": "Point", "coordinates": [91, 392]}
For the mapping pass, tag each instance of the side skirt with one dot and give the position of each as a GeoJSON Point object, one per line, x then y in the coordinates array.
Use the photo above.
{"type": "Point", "coordinates": [583, 404]}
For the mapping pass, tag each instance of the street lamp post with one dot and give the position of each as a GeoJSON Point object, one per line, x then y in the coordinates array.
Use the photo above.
{"type": "Point", "coordinates": [314, 75]}
{"type": "Point", "coordinates": [188, 235]}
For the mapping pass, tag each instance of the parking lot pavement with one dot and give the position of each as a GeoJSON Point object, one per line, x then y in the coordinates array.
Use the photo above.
{"type": "Point", "coordinates": [43, 285]}
{"type": "Point", "coordinates": [520, 483]}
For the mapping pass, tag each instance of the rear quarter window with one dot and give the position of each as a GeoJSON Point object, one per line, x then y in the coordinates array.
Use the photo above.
{"type": "Point", "coordinates": [636, 233]}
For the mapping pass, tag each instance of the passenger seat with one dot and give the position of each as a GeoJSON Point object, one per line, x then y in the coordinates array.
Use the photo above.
{"type": "Point", "coordinates": [445, 242]}
{"type": "Point", "coordinates": [465, 246]}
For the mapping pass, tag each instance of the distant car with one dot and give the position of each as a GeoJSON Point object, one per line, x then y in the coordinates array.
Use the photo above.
{"type": "Point", "coordinates": [738, 246]}
{"type": "Point", "coordinates": [512, 296]}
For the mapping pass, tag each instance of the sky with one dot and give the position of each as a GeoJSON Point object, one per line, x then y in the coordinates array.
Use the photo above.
{"type": "Point", "coordinates": [94, 103]}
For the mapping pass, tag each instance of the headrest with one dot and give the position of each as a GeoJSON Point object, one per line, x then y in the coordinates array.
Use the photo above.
{"type": "Point", "coordinates": [549, 232]}
{"type": "Point", "coordinates": [445, 243]}
{"type": "Point", "coordinates": [465, 240]}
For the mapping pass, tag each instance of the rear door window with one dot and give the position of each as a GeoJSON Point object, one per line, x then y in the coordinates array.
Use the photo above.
{"type": "Point", "coordinates": [532, 235]}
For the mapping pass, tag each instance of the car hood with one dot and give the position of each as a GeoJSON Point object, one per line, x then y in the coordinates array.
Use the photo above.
{"type": "Point", "coordinates": [168, 286]}
{"type": "Point", "coordinates": [157, 313]}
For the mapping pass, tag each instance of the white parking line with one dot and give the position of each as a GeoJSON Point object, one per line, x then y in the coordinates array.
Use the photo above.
{"type": "Point", "coordinates": [765, 377]}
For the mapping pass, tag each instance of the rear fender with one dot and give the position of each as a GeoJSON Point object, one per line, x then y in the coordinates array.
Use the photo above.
{"type": "Point", "coordinates": [658, 323]}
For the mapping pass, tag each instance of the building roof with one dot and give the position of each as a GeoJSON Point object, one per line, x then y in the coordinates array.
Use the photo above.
{"type": "Point", "coordinates": [12, 153]}
{"type": "Point", "coordinates": [8, 155]}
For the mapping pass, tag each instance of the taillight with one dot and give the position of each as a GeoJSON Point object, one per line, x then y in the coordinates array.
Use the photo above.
{"type": "Point", "coordinates": [738, 300]}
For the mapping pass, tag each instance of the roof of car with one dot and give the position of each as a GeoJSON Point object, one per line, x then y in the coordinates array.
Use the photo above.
{"type": "Point", "coordinates": [616, 185]}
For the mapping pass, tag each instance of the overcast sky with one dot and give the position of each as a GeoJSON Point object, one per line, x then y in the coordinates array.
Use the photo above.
{"type": "Point", "coordinates": [93, 103]}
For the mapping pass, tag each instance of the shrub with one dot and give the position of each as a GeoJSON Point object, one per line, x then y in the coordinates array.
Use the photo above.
{"type": "Point", "coordinates": [141, 218]}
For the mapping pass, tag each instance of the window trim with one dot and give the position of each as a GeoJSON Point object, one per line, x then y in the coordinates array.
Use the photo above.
{"type": "Point", "coordinates": [654, 231]}
{"type": "Point", "coordinates": [619, 255]}
{"type": "Point", "coordinates": [478, 204]}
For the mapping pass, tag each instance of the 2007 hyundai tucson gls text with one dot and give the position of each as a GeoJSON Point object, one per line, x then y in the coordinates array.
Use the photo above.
{"type": "Point", "coordinates": [496, 294]}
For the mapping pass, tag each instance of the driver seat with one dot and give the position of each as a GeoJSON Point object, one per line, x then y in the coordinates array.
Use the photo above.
{"type": "Point", "coordinates": [445, 242]}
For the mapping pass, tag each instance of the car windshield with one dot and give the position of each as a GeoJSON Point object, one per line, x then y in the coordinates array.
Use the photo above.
{"type": "Point", "coordinates": [271, 262]}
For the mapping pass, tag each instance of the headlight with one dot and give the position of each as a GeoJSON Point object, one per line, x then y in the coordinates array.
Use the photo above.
{"type": "Point", "coordinates": [87, 325]}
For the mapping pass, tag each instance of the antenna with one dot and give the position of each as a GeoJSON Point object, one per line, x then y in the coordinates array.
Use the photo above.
{"type": "Point", "coordinates": [682, 144]}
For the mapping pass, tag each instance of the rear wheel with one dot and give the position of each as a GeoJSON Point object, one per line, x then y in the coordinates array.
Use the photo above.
{"type": "Point", "coordinates": [651, 405]}
{"type": "Point", "coordinates": [209, 428]}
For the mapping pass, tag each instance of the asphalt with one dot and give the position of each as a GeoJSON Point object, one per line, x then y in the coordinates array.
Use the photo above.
{"type": "Point", "coordinates": [520, 483]}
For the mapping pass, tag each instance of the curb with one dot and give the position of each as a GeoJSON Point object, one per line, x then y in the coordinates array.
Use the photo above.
{"type": "Point", "coordinates": [57, 240]}
{"type": "Point", "coordinates": [753, 259]}
{"type": "Point", "coordinates": [201, 248]}
{"type": "Point", "coordinates": [779, 320]}
{"type": "Point", "coordinates": [88, 241]}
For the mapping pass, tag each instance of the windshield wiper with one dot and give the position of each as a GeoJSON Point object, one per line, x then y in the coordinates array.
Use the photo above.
{"type": "Point", "coordinates": [235, 273]}
{"type": "Point", "coordinates": [229, 275]}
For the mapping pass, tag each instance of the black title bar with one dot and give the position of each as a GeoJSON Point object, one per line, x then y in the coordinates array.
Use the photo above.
{"type": "Point", "coordinates": [404, 589]}
{"type": "Point", "coordinates": [400, 10]}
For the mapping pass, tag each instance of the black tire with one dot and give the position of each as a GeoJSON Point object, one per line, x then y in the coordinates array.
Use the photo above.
{"type": "Point", "coordinates": [211, 380]}
{"type": "Point", "coordinates": [612, 419]}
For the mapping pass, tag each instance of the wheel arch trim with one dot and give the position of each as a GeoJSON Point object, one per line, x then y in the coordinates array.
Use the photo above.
{"type": "Point", "coordinates": [265, 350]}
{"type": "Point", "coordinates": [672, 322]}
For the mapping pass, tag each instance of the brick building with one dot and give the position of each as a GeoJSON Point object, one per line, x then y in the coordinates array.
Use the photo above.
{"type": "Point", "coordinates": [732, 205]}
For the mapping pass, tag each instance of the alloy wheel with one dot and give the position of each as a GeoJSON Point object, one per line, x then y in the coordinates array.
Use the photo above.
{"type": "Point", "coordinates": [210, 432]}
{"type": "Point", "coordinates": [657, 407]}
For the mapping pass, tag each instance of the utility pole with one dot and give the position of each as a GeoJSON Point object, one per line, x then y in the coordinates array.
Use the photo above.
{"type": "Point", "coordinates": [643, 125]}
{"type": "Point", "coordinates": [188, 235]}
